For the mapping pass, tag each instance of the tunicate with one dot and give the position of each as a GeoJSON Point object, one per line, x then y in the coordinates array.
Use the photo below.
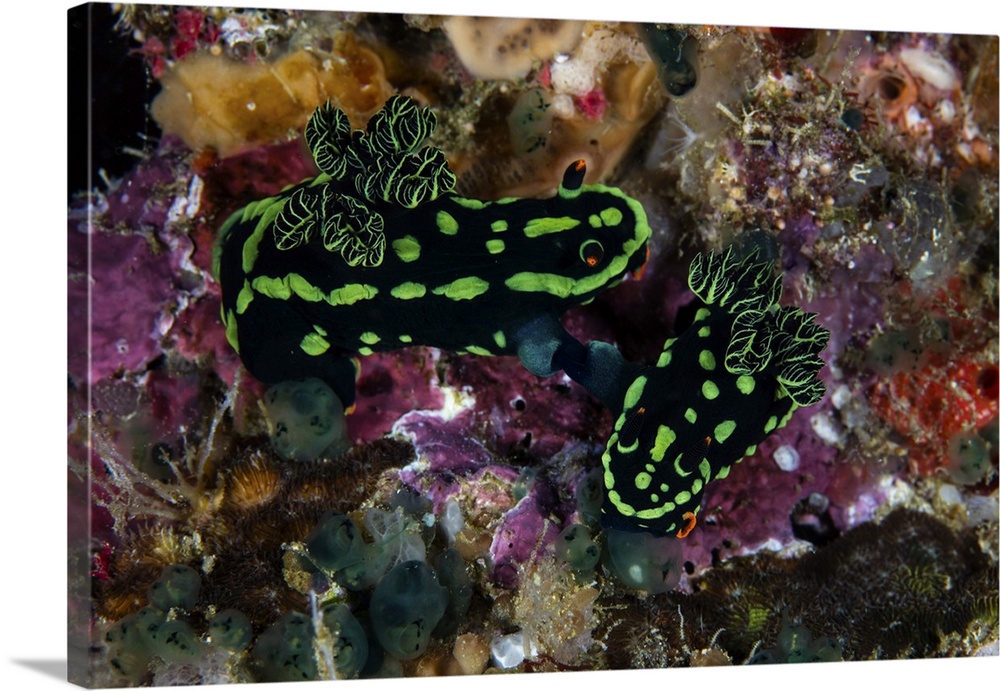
{"type": "Point", "coordinates": [335, 543]}
{"type": "Point", "coordinates": [645, 561]}
{"type": "Point", "coordinates": [530, 122]}
{"type": "Point", "coordinates": [284, 652]}
{"type": "Point", "coordinates": [575, 546]}
{"type": "Point", "coordinates": [405, 607]}
{"type": "Point", "coordinates": [451, 573]}
{"type": "Point", "coordinates": [589, 496]}
{"type": "Point", "coordinates": [176, 586]}
{"type": "Point", "coordinates": [968, 458]}
{"type": "Point", "coordinates": [350, 647]}
{"type": "Point", "coordinates": [307, 419]}
{"type": "Point", "coordinates": [676, 56]}
{"type": "Point", "coordinates": [230, 629]}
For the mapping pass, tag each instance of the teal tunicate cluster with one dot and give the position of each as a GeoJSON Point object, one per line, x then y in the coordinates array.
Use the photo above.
{"type": "Point", "coordinates": [796, 644]}
{"type": "Point", "coordinates": [405, 608]}
{"type": "Point", "coordinates": [337, 547]}
{"type": "Point", "coordinates": [307, 420]}
{"type": "Point", "coordinates": [589, 497]}
{"type": "Point", "coordinates": [644, 561]}
{"type": "Point", "coordinates": [575, 546]}
{"type": "Point", "coordinates": [162, 630]}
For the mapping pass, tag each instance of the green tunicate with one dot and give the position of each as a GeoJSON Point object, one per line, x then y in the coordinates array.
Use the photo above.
{"type": "Point", "coordinates": [968, 458]}
{"type": "Point", "coordinates": [451, 573]}
{"type": "Point", "coordinates": [575, 546]}
{"type": "Point", "coordinates": [675, 54]}
{"type": "Point", "coordinates": [524, 482]}
{"type": "Point", "coordinates": [284, 652]}
{"type": "Point", "coordinates": [335, 543]}
{"type": "Point", "coordinates": [130, 641]}
{"type": "Point", "coordinates": [307, 419]}
{"type": "Point", "coordinates": [350, 647]}
{"type": "Point", "coordinates": [405, 607]}
{"type": "Point", "coordinates": [177, 585]}
{"type": "Point", "coordinates": [530, 122]}
{"type": "Point", "coordinates": [796, 644]}
{"type": "Point", "coordinates": [230, 629]}
{"type": "Point", "coordinates": [644, 561]}
{"type": "Point", "coordinates": [176, 641]}
{"type": "Point", "coordinates": [589, 496]}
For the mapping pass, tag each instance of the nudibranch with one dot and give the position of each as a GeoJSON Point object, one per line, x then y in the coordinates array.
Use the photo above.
{"type": "Point", "coordinates": [378, 253]}
{"type": "Point", "coordinates": [736, 375]}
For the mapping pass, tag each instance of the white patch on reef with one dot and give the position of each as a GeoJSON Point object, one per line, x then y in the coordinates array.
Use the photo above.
{"type": "Point", "coordinates": [787, 458]}
{"type": "Point", "coordinates": [508, 651]}
{"type": "Point", "coordinates": [827, 429]}
{"type": "Point", "coordinates": [930, 67]}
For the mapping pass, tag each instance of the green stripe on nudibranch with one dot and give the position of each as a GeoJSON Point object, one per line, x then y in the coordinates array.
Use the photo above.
{"type": "Point", "coordinates": [446, 223]}
{"type": "Point", "coordinates": [314, 344]}
{"type": "Point", "coordinates": [409, 291]}
{"type": "Point", "coordinates": [463, 288]}
{"type": "Point", "coordinates": [665, 436]}
{"type": "Point", "coordinates": [495, 246]}
{"type": "Point", "coordinates": [407, 248]}
{"type": "Point", "coordinates": [548, 224]}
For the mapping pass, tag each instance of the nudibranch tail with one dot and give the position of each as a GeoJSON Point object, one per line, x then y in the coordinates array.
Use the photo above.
{"type": "Point", "coordinates": [734, 377]}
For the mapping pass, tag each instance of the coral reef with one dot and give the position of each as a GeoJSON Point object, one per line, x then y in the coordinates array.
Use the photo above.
{"type": "Point", "coordinates": [860, 166]}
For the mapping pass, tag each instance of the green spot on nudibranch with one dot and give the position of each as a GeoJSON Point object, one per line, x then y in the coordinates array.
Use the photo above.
{"type": "Point", "coordinates": [702, 313]}
{"type": "Point", "coordinates": [745, 383]}
{"type": "Point", "coordinates": [682, 497]}
{"type": "Point", "coordinates": [477, 350]}
{"type": "Point", "coordinates": [475, 204]}
{"type": "Point", "coordinates": [664, 438]}
{"type": "Point", "coordinates": [498, 226]}
{"type": "Point", "coordinates": [500, 339]}
{"type": "Point", "coordinates": [705, 468]}
{"type": "Point", "coordinates": [351, 293]}
{"type": "Point", "coordinates": [245, 297]}
{"type": "Point", "coordinates": [724, 430]}
{"type": "Point", "coordinates": [707, 360]}
{"type": "Point", "coordinates": [314, 344]}
{"type": "Point", "coordinates": [642, 480]}
{"type": "Point", "coordinates": [405, 338]}
{"type": "Point", "coordinates": [595, 221]}
{"type": "Point", "coordinates": [231, 331]}
{"type": "Point", "coordinates": [704, 331]}
{"type": "Point", "coordinates": [709, 390]}
{"type": "Point", "coordinates": [751, 450]}
{"type": "Point", "coordinates": [723, 473]}
{"type": "Point", "coordinates": [634, 392]}
{"type": "Point", "coordinates": [690, 415]}
{"type": "Point", "coordinates": [495, 246]}
{"type": "Point", "coordinates": [463, 288]}
{"type": "Point", "coordinates": [771, 423]}
{"type": "Point", "coordinates": [409, 291]}
{"type": "Point", "coordinates": [665, 357]}
{"type": "Point", "coordinates": [611, 216]}
{"type": "Point", "coordinates": [407, 248]}
{"type": "Point", "coordinates": [623, 508]}
{"type": "Point", "coordinates": [547, 224]}
{"type": "Point", "coordinates": [365, 350]}
{"type": "Point", "coordinates": [446, 223]}
{"type": "Point", "coordinates": [370, 337]}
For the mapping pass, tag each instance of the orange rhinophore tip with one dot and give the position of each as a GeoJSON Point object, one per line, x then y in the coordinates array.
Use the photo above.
{"type": "Point", "coordinates": [691, 520]}
{"type": "Point", "coordinates": [637, 274]}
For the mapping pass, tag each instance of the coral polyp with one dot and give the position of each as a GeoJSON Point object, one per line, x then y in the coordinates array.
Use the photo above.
{"type": "Point", "coordinates": [442, 345]}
